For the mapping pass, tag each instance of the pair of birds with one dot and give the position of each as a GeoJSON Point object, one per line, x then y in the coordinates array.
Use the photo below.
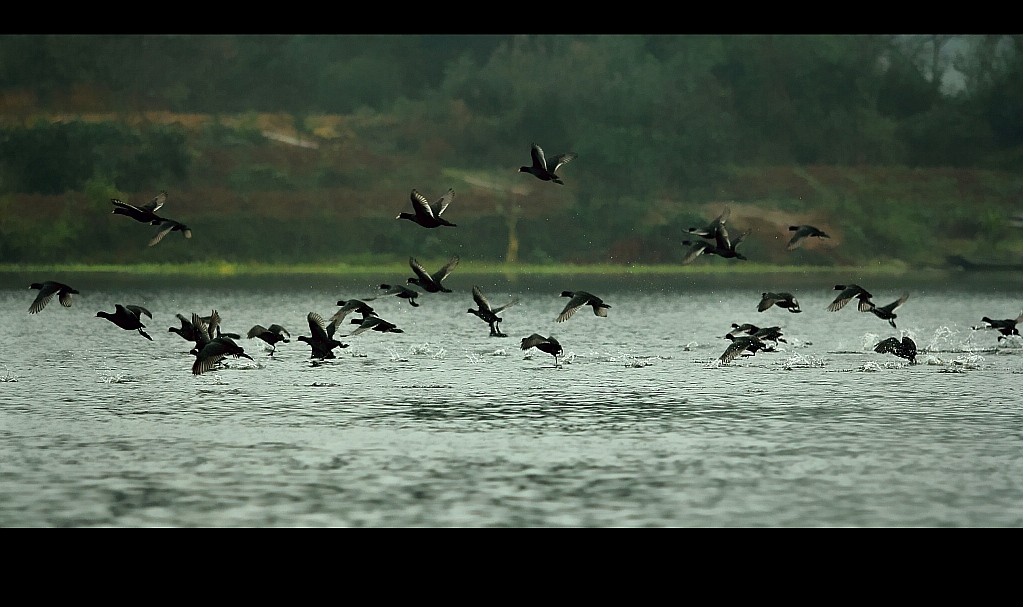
{"type": "Point", "coordinates": [850, 291]}
{"type": "Point", "coordinates": [428, 214]}
{"type": "Point", "coordinates": [208, 350]}
{"type": "Point", "coordinates": [431, 283]}
{"type": "Point", "coordinates": [147, 214]}
{"type": "Point", "coordinates": [754, 341]}
{"type": "Point", "coordinates": [718, 241]}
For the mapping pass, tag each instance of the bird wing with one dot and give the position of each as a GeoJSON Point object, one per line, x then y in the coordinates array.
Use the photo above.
{"type": "Point", "coordinates": [481, 301]}
{"type": "Point", "coordinates": [845, 296]}
{"type": "Point", "coordinates": [736, 242]}
{"type": "Point", "coordinates": [768, 300]}
{"type": "Point", "coordinates": [895, 305]}
{"type": "Point", "coordinates": [168, 227]}
{"type": "Point", "coordinates": [539, 161]}
{"type": "Point", "coordinates": [316, 327]}
{"type": "Point", "coordinates": [887, 346]}
{"type": "Point", "coordinates": [439, 206]}
{"type": "Point", "coordinates": [202, 330]}
{"type": "Point", "coordinates": [694, 252]}
{"type": "Point", "coordinates": [533, 340]}
{"type": "Point", "coordinates": [256, 331]}
{"type": "Point", "coordinates": [563, 159]}
{"type": "Point", "coordinates": [797, 239]}
{"type": "Point", "coordinates": [573, 305]}
{"type": "Point", "coordinates": [737, 347]}
{"type": "Point", "coordinates": [156, 203]}
{"type": "Point", "coordinates": [442, 273]}
{"type": "Point", "coordinates": [138, 311]}
{"type": "Point", "coordinates": [504, 307]}
{"type": "Point", "coordinates": [421, 205]}
{"type": "Point", "coordinates": [279, 329]}
{"type": "Point", "coordinates": [64, 297]}
{"type": "Point", "coordinates": [420, 271]}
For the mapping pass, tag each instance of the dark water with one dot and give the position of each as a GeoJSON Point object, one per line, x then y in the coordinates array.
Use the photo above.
{"type": "Point", "coordinates": [445, 426]}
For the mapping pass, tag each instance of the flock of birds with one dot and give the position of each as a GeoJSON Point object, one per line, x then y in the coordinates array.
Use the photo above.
{"type": "Point", "coordinates": [211, 345]}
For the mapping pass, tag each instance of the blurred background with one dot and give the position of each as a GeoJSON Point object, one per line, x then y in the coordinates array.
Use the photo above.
{"type": "Point", "coordinates": [303, 149]}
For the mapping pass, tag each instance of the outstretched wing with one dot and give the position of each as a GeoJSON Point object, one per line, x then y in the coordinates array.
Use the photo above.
{"type": "Point", "coordinates": [697, 250]}
{"type": "Point", "coordinates": [504, 307]}
{"type": "Point", "coordinates": [138, 311]}
{"type": "Point", "coordinates": [738, 347]}
{"type": "Point", "coordinates": [539, 161]}
{"type": "Point", "coordinates": [572, 307]}
{"type": "Point", "coordinates": [316, 326]}
{"type": "Point", "coordinates": [168, 227]}
{"type": "Point", "coordinates": [442, 273]}
{"type": "Point", "coordinates": [156, 203]}
{"type": "Point", "coordinates": [256, 331]}
{"type": "Point", "coordinates": [279, 329]}
{"type": "Point", "coordinates": [480, 300]}
{"type": "Point", "coordinates": [563, 159]}
{"type": "Point", "coordinates": [533, 340]}
{"type": "Point", "coordinates": [438, 207]}
{"type": "Point", "coordinates": [421, 205]}
{"type": "Point", "coordinates": [420, 271]}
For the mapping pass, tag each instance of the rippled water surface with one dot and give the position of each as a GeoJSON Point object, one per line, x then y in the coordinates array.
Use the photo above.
{"type": "Point", "coordinates": [443, 425]}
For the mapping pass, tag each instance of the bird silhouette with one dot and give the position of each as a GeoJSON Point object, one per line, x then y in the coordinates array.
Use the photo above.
{"type": "Point", "coordinates": [128, 318]}
{"type": "Point", "coordinates": [488, 314]}
{"type": "Point", "coordinates": [47, 290]}
{"type": "Point", "coordinates": [426, 214]}
{"type": "Point", "coordinates": [782, 300]}
{"type": "Point", "coordinates": [544, 344]}
{"type": "Point", "coordinates": [321, 341]}
{"type": "Point", "coordinates": [903, 349]}
{"type": "Point", "coordinates": [166, 227]}
{"type": "Point", "coordinates": [145, 213]}
{"type": "Point", "coordinates": [801, 234]}
{"type": "Point", "coordinates": [578, 300]}
{"type": "Point", "coordinates": [431, 283]}
{"type": "Point", "coordinates": [888, 312]}
{"type": "Point", "coordinates": [272, 335]}
{"type": "Point", "coordinates": [543, 170]}
{"type": "Point", "coordinates": [401, 291]}
{"type": "Point", "coordinates": [1006, 328]}
{"type": "Point", "coordinates": [847, 293]}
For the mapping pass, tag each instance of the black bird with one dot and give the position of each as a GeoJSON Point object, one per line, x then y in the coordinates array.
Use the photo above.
{"type": "Point", "coordinates": [428, 215]}
{"type": "Point", "coordinates": [1006, 328]}
{"type": "Point", "coordinates": [578, 300]}
{"type": "Point", "coordinates": [543, 170]}
{"type": "Point", "coordinates": [743, 328]}
{"type": "Point", "coordinates": [166, 227]}
{"type": "Point", "coordinates": [128, 318]}
{"type": "Point", "coordinates": [739, 345]}
{"type": "Point", "coordinates": [431, 282]}
{"type": "Point", "coordinates": [322, 341]}
{"type": "Point", "coordinates": [187, 330]}
{"type": "Point", "coordinates": [722, 247]}
{"type": "Point", "coordinates": [372, 322]}
{"type": "Point", "coordinates": [401, 291]}
{"type": "Point", "coordinates": [888, 312]}
{"type": "Point", "coordinates": [782, 300]}
{"type": "Point", "coordinates": [47, 290]}
{"type": "Point", "coordinates": [349, 306]}
{"type": "Point", "coordinates": [847, 293]}
{"type": "Point", "coordinates": [272, 335]}
{"type": "Point", "coordinates": [904, 349]}
{"type": "Point", "coordinates": [487, 314]}
{"type": "Point", "coordinates": [213, 352]}
{"type": "Point", "coordinates": [143, 214]}
{"type": "Point", "coordinates": [768, 334]}
{"type": "Point", "coordinates": [801, 234]}
{"type": "Point", "coordinates": [544, 344]}
{"type": "Point", "coordinates": [712, 228]}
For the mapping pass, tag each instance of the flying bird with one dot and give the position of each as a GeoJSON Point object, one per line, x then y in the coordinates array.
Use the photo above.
{"type": "Point", "coordinates": [722, 246]}
{"type": "Point", "coordinates": [349, 306]}
{"type": "Point", "coordinates": [580, 299]}
{"type": "Point", "coordinates": [711, 230]}
{"type": "Point", "coordinates": [904, 349]}
{"type": "Point", "coordinates": [543, 170]}
{"type": "Point", "coordinates": [321, 342]}
{"type": "Point", "coordinates": [739, 345]}
{"type": "Point", "coordinates": [1006, 328]}
{"type": "Point", "coordinates": [801, 234]}
{"type": "Point", "coordinates": [128, 318]}
{"type": "Point", "coordinates": [401, 291]}
{"type": "Point", "coordinates": [847, 293]}
{"type": "Point", "coordinates": [213, 352]}
{"type": "Point", "coordinates": [272, 335]}
{"type": "Point", "coordinates": [544, 344]}
{"type": "Point", "coordinates": [782, 300]}
{"type": "Point", "coordinates": [888, 312]}
{"type": "Point", "coordinates": [431, 282]}
{"type": "Point", "coordinates": [426, 214]}
{"type": "Point", "coordinates": [145, 213]}
{"type": "Point", "coordinates": [47, 290]}
{"type": "Point", "coordinates": [488, 314]}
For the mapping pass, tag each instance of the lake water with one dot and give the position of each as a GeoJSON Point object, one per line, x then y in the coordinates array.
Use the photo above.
{"type": "Point", "coordinates": [443, 425]}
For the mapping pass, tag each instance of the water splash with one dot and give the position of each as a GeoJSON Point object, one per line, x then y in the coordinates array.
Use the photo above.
{"type": "Point", "coordinates": [798, 361]}
{"type": "Point", "coordinates": [499, 352]}
{"type": "Point", "coordinates": [8, 376]}
{"type": "Point", "coordinates": [474, 358]}
{"type": "Point", "coordinates": [120, 378]}
{"type": "Point", "coordinates": [871, 367]}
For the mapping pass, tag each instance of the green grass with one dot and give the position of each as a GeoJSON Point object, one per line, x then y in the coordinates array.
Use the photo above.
{"type": "Point", "coordinates": [220, 268]}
